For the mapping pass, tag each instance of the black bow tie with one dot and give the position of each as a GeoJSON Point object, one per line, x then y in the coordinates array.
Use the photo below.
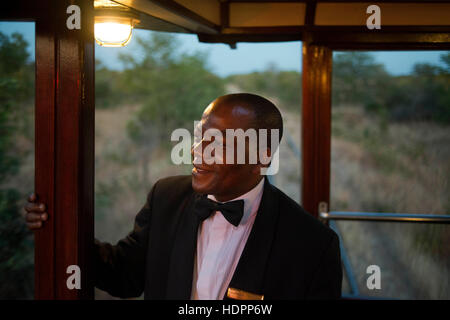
{"type": "Point", "coordinates": [232, 210]}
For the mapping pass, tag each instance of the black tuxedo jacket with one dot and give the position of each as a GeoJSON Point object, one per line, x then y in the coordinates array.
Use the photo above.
{"type": "Point", "coordinates": [289, 254]}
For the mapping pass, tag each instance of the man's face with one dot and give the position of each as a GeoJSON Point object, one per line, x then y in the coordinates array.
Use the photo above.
{"type": "Point", "coordinates": [225, 181]}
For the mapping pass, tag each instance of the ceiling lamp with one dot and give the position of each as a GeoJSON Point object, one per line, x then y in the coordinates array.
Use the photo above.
{"type": "Point", "coordinates": [113, 26]}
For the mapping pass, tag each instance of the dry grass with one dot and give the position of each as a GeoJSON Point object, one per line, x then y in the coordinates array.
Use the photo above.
{"type": "Point", "coordinates": [401, 168]}
{"type": "Point", "coordinates": [118, 175]}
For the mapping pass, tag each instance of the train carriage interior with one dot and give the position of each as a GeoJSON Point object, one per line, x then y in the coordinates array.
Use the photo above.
{"type": "Point", "coordinates": [365, 148]}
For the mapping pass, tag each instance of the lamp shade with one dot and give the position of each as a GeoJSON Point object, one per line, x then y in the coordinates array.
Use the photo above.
{"type": "Point", "coordinates": [113, 30]}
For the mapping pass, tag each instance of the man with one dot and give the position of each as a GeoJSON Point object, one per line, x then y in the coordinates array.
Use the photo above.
{"type": "Point", "coordinates": [223, 232]}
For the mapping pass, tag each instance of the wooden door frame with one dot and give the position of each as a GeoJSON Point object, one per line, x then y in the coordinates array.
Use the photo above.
{"type": "Point", "coordinates": [64, 143]}
{"type": "Point", "coordinates": [316, 125]}
{"type": "Point", "coordinates": [64, 156]}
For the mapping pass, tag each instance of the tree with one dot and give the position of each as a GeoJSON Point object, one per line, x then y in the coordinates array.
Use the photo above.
{"type": "Point", "coordinates": [357, 79]}
{"type": "Point", "coordinates": [282, 85]}
{"type": "Point", "coordinates": [16, 249]}
{"type": "Point", "coordinates": [173, 89]}
{"type": "Point", "coordinates": [445, 59]}
{"type": "Point", "coordinates": [424, 95]}
{"type": "Point", "coordinates": [107, 86]}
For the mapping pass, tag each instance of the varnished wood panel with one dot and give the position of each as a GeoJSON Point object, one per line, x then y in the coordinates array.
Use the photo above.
{"type": "Point", "coordinates": [44, 259]}
{"type": "Point", "coordinates": [65, 151]}
{"type": "Point", "coordinates": [316, 126]}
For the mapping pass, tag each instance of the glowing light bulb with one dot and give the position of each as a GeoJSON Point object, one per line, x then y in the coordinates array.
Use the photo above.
{"type": "Point", "coordinates": [112, 34]}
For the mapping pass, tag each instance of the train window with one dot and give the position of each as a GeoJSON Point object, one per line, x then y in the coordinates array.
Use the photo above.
{"type": "Point", "coordinates": [16, 158]}
{"type": "Point", "coordinates": [390, 151]}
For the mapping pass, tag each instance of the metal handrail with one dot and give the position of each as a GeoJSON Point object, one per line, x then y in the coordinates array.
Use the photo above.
{"type": "Point", "coordinates": [385, 217]}
{"type": "Point", "coordinates": [370, 216]}
{"type": "Point", "coordinates": [352, 282]}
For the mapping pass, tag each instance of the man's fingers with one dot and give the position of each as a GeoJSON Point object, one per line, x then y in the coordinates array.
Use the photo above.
{"type": "Point", "coordinates": [34, 225]}
{"type": "Point", "coordinates": [35, 207]}
{"type": "Point", "coordinates": [33, 217]}
{"type": "Point", "coordinates": [32, 197]}
{"type": "Point", "coordinates": [35, 212]}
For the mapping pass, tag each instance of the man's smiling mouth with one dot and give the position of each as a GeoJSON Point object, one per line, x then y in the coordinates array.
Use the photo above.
{"type": "Point", "coordinates": [199, 170]}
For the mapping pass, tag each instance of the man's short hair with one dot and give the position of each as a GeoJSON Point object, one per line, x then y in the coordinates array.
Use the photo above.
{"type": "Point", "coordinates": [267, 115]}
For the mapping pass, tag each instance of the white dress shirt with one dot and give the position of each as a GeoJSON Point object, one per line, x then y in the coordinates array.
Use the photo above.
{"type": "Point", "coordinates": [219, 247]}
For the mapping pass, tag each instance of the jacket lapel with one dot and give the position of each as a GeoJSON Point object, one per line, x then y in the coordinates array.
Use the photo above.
{"type": "Point", "coordinates": [250, 271]}
{"type": "Point", "coordinates": [181, 265]}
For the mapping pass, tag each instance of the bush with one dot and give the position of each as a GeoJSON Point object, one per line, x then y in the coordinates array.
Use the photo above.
{"type": "Point", "coordinates": [16, 246]}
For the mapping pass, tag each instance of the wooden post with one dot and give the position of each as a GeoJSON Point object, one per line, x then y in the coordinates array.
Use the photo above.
{"type": "Point", "coordinates": [64, 156]}
{"type": "Point", "coordinates": [316, 126]}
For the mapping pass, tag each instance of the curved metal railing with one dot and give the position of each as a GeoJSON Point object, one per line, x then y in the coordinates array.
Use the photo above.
{"type": "Point", "coordinates": [385, 217]}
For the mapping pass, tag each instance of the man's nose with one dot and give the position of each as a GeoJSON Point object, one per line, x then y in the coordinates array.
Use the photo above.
{"type": "Point", "coordinates": [198, 149]}
{"type": "Point", "coordinates": [196, 152]}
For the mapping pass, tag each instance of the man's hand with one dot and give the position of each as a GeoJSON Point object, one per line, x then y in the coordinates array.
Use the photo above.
{"type": "Point", "coordinates": [36, 213]}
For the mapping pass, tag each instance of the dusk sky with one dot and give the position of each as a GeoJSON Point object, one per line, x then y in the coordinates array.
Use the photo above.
{"type": "Point", "coordinates": [246, 58]}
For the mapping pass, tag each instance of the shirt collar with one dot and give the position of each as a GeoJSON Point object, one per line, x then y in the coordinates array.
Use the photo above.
{"type": "Point", "coordinates": [251, 199]}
